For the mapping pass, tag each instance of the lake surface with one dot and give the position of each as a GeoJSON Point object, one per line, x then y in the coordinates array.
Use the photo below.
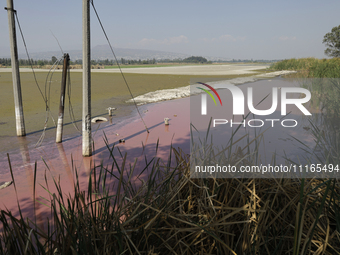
{"type": "Point", "coordinates": [64, 160]}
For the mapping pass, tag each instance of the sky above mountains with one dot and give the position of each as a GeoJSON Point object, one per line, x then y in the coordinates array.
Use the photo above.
{"type": "Point", "coordinates": [262, 29]}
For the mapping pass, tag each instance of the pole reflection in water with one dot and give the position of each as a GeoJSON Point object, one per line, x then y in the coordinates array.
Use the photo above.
{"type": "Point", "coordinates": [31, 177]}
{"type": "Point", "coordinates": [87, 162]}
{"type": "Point", "coordinates": [63, 158]}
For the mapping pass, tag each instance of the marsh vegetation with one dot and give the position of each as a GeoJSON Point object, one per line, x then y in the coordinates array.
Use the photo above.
{"type": "Point", "coordinates": [171, 213]}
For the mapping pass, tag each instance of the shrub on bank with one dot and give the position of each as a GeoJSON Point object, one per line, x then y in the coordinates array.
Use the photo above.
{"type": "Point", "coordinates": [313, 67]}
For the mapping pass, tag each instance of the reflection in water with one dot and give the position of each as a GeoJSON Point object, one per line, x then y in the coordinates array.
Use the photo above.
{"type": "Point", "coordinates": [313, 140]}
{"type": "Point", "coordinates": [31, 179]}
{"type": "Point", "coordinates": [250, 139]}
{"type": "Point", "coordinates": [65, 162]}
{"type": "Point", "coordinates": [87, 161]}
{"type": "Point", "coordinates": [27, 163]}
{"type": "Point", "coordinates": [90, 170]}
{"type": "Point", "coordinates": [143, 145]}
{"type": "Point", "coordinates": [54, 163]}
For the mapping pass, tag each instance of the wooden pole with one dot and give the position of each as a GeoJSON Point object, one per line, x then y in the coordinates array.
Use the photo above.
{"type": "Point", "coordinates": [59, 137]}
{"type": "Point", "coordinates": [19, 112]}
{"type": "Point", "coordinates": [86, 123]}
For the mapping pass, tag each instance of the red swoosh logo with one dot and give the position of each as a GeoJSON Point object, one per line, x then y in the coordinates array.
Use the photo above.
{"type": "Point", "coordinates": [213, 90]}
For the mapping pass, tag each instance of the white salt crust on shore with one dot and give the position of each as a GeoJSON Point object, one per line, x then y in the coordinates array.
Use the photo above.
{"type": "Point", "coordinates": [169, 94]}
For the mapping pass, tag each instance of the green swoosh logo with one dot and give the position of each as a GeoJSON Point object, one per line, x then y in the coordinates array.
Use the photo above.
{"type": "Point", "coordinates": [208, 93]}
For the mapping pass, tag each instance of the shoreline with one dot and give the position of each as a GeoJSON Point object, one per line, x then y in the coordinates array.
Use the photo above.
{"type": "Point", "coordinates": [144, 102]}
{"type": "Point", "coordinates": [220, 69]}
{"type": "Point", "coordinates": [61, 160]}
{"type": "Point", "coordinates": [107, 92]}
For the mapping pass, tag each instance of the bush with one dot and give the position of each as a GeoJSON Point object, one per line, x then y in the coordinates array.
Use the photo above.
{"type": "Point", "coordinates": [314, 68]}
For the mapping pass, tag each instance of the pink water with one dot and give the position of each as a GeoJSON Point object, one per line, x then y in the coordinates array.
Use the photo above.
{"type": "Point", "coordinates": [60, 161]}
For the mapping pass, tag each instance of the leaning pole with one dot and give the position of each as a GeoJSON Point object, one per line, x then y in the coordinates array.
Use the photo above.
{"type": "Point", "coordinates": [59, 136]}
{"type": "Point", "coordinates": [19, 112]}
{"type": "Point", "coordinates": [86, 122]}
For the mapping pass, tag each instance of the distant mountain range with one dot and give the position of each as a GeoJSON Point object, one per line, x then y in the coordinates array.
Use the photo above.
{"type": "Point", "coordinates": [101, 52]}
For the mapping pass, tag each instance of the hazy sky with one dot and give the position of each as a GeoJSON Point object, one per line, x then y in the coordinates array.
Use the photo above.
{"type": "Point", "coordinates": [262, 29]}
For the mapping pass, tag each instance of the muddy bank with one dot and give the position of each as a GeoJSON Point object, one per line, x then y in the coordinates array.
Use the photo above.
{"type": "Point", "coordinates": [108, 90]}
{"type": "Point", "coordinates": [61, 161]}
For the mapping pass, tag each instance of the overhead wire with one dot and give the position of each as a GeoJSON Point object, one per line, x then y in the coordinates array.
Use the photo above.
{"type": "Point", "coordinates": [28, 56]}
{"type": "Point", "coordinates": [71, 113]}
{"type": "Point", "coordinates": [55, 65]}
{"type": "Point", "coordinates": [126, 83]}
{"type": "Point", "coordinates": [70, 108]}
{"type": "Point", "coordinates": [48, 95]}
{"type": "Point", "coordinates": [45, 98]}
{"type": "Point", "coordinates": [73, 120]}
{"type": "Point", "coordinates": [57, 42]}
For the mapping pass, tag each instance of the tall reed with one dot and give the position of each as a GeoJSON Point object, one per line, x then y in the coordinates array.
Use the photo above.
{"type": "Point", "coordinates": [171, 213]}
{"type": "Point", "coordinates": [311, 67]}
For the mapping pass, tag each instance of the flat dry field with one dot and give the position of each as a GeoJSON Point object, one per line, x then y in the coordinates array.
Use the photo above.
{"type": "Point", "coordinates": [230, 69]}
{"type": "Point", "coordinates": [108, 90]}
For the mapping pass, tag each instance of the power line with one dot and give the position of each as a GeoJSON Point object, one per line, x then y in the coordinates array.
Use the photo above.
{"type": "Point", "coordinates": [70, 108]}
{"type": "Point", "coordinates": [94, 8]}
{"type": "Point", "coordinates": [48, 82]}
{"type": "Point", "coordinates": [29, 59]}
{"type": "Point", "coordinates": [48, 111]}
{"type": "Point", "coordinates": [57, 42]}
{"type": "Point", "coordinates": [45, 97]}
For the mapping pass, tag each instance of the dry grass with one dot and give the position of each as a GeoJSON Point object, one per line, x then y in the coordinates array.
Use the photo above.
{"type": "Point", "coordinates": [170, 213]}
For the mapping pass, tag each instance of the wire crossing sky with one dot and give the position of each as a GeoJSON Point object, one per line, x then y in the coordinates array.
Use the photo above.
{"type": "Point", "coordinates": [262, 29]}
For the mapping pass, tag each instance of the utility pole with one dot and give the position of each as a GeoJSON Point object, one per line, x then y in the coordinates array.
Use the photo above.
{"type": "Point", "coordinates": [86, 123]}
{"type": "Point", "coordinates": [59, 137]}
{"type": "Point", "coordinates": [19, 112]}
